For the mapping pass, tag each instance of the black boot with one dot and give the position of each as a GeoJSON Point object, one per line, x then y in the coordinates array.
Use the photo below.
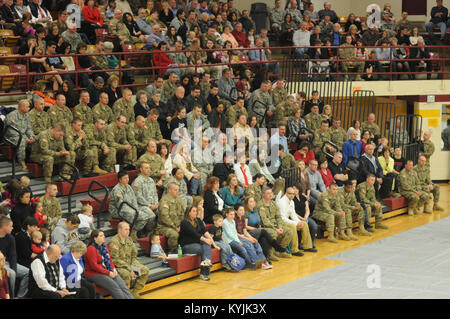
{"type": "Point", "coordinates": [277, 246]}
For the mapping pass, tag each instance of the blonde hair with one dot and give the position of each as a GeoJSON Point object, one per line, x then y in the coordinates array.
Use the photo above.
{"type": "Point", "coordinates": [78, 247]}
{"type": "Point", "coordinates": [85, 208]}
{"type": "Point", "coordinates": [233, 189]}
{"type": "Point", "coordinates": [25, 180]}
{"type": "Point", "coordinates": [327, 107]}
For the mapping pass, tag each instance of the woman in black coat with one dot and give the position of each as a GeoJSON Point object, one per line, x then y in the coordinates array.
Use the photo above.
{"type": "Point", "coordinates": [113, 90]}
{"type": "Point", "coordinates": [141, 107]}
{"type": "Point", "coordinates": [212, 204]}
{"type": "Point", "coordinates": [22, 210]}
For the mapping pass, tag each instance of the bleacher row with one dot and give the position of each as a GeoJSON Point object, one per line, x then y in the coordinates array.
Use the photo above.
{"type": "Point", "coordinates": [180, 268]}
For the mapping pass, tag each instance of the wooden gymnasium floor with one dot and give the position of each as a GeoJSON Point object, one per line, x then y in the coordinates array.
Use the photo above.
{"type": "Point", "coordinates": [237, 285]}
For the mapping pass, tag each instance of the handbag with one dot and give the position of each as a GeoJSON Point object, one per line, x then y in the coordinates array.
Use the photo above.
{"type": "Point", "coordinates": [236, 262]}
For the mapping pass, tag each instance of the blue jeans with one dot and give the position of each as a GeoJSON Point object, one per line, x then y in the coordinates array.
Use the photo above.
{"type": "Point", "coordinates": [202, 249]}
{"type": "Point", "coordinates": [250, 252]}
{"type": "Point", "coordinates": [274, 65]}
{"type": "Point", "coordinates": [225, 251]}
{"type": "Point", "coordinates": [300, 51]}
{"type": "Point", "coordinates": [195, 185]}
{"type": "Point", "coordinates": [441, 25]}
{"type": "Point", "coordinates": [176, 70]}
{"type": "Point", "coordinates": [22, 274]}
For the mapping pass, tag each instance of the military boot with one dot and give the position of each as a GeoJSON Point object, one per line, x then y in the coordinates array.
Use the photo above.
{"type": "Point", "coordinates": [363, 231]}
{"type": "Point", "coordinates": [380, 225]}
{"type": "Point", "coordinates": [350, 234]}
{"type": "Point", "coordinates": [419, 210]}
{"type": "Point", "coordinates": [283, 255]}
{"type": "Point", "coordinates": [24, 166]}
{"type": "Point", "coordinates": [428, 207]}
{"type": "Point", "coordinates": [411, 211]}
{"type": "Point", "coordinates": [437, 207]}
{"type": "Point", "coordinates": [342, 235]}
{"type": "Point", "coordinates": [98, 170]}
{"type": "Point", "coordinates": [331, 237]}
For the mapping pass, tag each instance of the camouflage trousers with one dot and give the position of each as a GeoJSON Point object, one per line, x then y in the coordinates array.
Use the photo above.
{"type": "Point", "coordinates": [141, 279]}
{"type": "Point", "coordinates": [286, 236]}
{"type": "Point", "coordinates": [415, 200]}
{"type": "Point", "coordinates": [371, 211]}
{"type": "Point", "coordinates": [47, 162]}
{"type": "Point", "coordinates": [436, 192]}
{"type": "Point", "coordinates": [146, 218]}
{"type": "Point", "coordinates": [349, 213]}
{"type": "Point", "coordinates": [107, 161]}
{"type": "Point", "coordinates": [172, 237]}
{"type": "Point", "coordinates": [330, 220]}
{"type": "Point", "coordinates": [87, 156]}
{"type": "Point", "coordinates": [21, 150]}
{"type": "Point", "coordinates": [127, 157]}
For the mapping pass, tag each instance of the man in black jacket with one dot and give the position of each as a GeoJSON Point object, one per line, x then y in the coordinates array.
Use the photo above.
{"type": "Point", "coordinates": [175, 101]}
{"type": "Point", "coordinates": [439, 15]}
{"type": "Point", "coordinates": [420, 52]}
{"type": "Point", "coordinates": [196, 98]}
{"type": "Point", "coordinates": [222, 170]}
{"type": "Point", "coordinates": [15, 270]}
{"type": "Point", "coordinates": [370, 165]}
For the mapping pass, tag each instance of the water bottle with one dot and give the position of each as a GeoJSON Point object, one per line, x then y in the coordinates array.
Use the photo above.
{"type": "Point", "coordinates": [180, 252]}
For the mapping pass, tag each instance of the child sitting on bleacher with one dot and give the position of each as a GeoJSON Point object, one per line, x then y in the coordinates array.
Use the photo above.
{"type": "Point", "coordinates": [25, 183]}
{"type": "Point", "coordinates": [37, 243]}
{"type": "Point", "coordinates": [86, 223]}
{"type": "Point", "coordinates": [39, 214]}
{"type": "Point", "coordinates": [219, 242]}
{"type": "Point", "coordinates": [157, 251]}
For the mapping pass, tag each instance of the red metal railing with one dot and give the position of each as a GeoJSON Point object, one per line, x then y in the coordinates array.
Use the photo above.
{"type": "Point", "coordinates": [441, 61]}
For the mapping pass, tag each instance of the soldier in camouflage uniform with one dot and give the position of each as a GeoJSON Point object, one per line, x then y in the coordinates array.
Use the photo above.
{"type": "Point", "coordinates": [156, 164]}
{"type": "Point", "coordinates": [98, 144]}
{"type": "Point", "coordinates": [259, 110]}
{"type": "Point", "coordinates": [154, 130]}
{"type": "Point", "coordinates": [82, 110]}
{"type": "Point", "coordinates": [48, 149]}
{"type": "Point", "coordinates": [210, 35]}
{"type": "Point", "coordinates": [102, 109]}
{"type": "Point", "coordinates": [279, 93]}
{"type": "Point", "coordinates": [287, 160]}
{"type": "Point", "coordinates": [76, 143]}
{"type": "Point", "coordinates": [410, 188]}
{"type": "Point", "coordinates": [338, 134]}
{"type": "Point", "coordinates": [124, 106]}
{"type": "Point", "coordinates": [51, 206]}
{"type": "Point", "coordinates": [116, 135]}
{"type": "Point", "coordinates": [320, 136]}
{"type": "Point", "coordinates": [180, 59]}
{"type": "Point", "coordinates": [125, 257]}
{"type": "Point", "coordinates": [60, 113]}
{"type": "Point", "coordinates": [205, 84]}
{"type": "Point", "coordinates": [171, 213]}
{"type": "Point", "coordinates": [372, 127]}
{"type": "Point", "coordinates": [39, 118]}
{"type": "Point", "coordinates": [145, 188]}
{"type": "Point", "coordinates": [366, 195]}
{"type": "Point", "coordinates": [100, 61]}
{"type": "Point", "coordinates": [283, 111]}
{"type": "Point", "coordinates": [347, 52]}
{"type": "Point", "coordinates": [327, 209]}
{"type": "Point", "coordinates": [234, 111]}
{"type": "Point", "coordinates": [273, 223]}
{"type": "Point", "coordinates": [428, 147]}
{"type": "Point", "coordinates": [254, 190]}
{"type": "Point", "coordinates": [21, 120]}
{"type": "Point", "coordinates": [169, 87]}
{"type": "Point", "coordinates": [313, 119]}
{"type": "Point", "coordinates": [197, 122]}
{"type": "Point", "coordinates": [138, 135]}
{"type": "Point", "coordinates": [118, 28]}
{"type": "Point", "coordinates": [352, 208]}
{"type": "Point", "coordinates": [157, 86]}
{"type": "Point", "coordinates": [427, 186]}
{"type": "Point", "coordinates": [122, 192]}
{"type": "Point", "coordinates": [178, 178]}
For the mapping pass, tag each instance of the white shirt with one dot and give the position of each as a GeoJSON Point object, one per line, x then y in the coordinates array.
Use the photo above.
{"type": "Point", "coordinates": [38, 271]}
{"type": "Point", "coordinates": [80, 269]}
{"type": "Point", "coordinates": [240, 175]}
{"type": "Point", "coordinates": [287, 210]}
{"type": "Point", "coordinates": [220, 201]}
{"type": "Point", "coordinates": [85, 221]}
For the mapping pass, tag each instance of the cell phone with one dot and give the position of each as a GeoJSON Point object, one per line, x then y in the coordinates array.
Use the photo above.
{"type": "Point", "coordinates": [72, 292]}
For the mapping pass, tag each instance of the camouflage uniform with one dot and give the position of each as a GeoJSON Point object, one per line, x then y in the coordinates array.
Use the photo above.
{"type": "Point", "coordinates": [83, 112]}
{"type": "Point", "coordinates": [253, 190]}
{"type": "Point", "coordinates": [156, 165]}
{"type": "Point", "coordinates": [154, 133]}
{"type": "Point", "coordinates": [97, 141]}
{"type": "Point", "coordinates": [367, 198]}
{"type": "Point", "coordinates": [423, 174]}
{"type": "Point", "coordinates": [104, 112]}
{"type": "Point", "coordinates": [186, 199]}
{"type": "Point", "coordinates": [271, 219]}
{"type": "Point", "coordinates": [258, 109]}
{"type": "Point", "coordinates": [117, 138]}
{"type": "Point", "coordinates": [78, 149]}
{"type": "Point", "coordinates": [204, 162]}
{"type": "Point", "coordinates": [120, 194]}
{"type": "Point", "coordinates": [233, 114]}
{"type": "Point", "coordinates": [205, 88]}
{"type": "Point", "coordinates": [313, 121]}
{"type": "Point", "coordinates": [338, 136]}
{"type": "Point", "coordinates": [327, 209]}
{"type": "Point", "coordinates": [118, 28]}
{"type": "Point", "coordinates": [122, 107]}
{"type": "Point", "coordinates": [281, 110]}
{"type": "Point", "coordinates": [51, 208]}
{"type": "Point", "coordinates": [372, 128]}
{"type": "Point", "coordinates": [203, 123]}
{"type": "Point", "coordinates": [58, 115]}
{"type": "Point", "coordinates": [428, 150]}
{"type": "Point", "coordinates": [23, 123]}
{"type": "Point", "coordinates": [348, 52]}
{"type": "Point", "coordinates": [279, 95]}
{"type": "Point", "coordinates": [101, 62]}
{"type": "Point", "coordinates": [348, 204]}
{"type": "Point", "coordinates": [168, 90]}
{"type": "Point", "coordinates": [45, 152]}
{"type": "Point", "coordinates": [409, 185]}
{"type": "Point", "coordinates": [288, 161]}
{"type": "Point", "coordinates": [319, 138]}
{"type": "Point", "coordinates": [138, 137]}
{"type": "Point", "coordinates": [151, 90]}
{"type": "Point", "coordinates": [124, 255]}
{"type": "Point", "coordinates": [171, 213]}
{"type": "Point", "coordinates": [40, 121]}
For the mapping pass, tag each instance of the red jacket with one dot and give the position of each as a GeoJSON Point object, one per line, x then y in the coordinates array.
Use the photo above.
{"type": "Point", "coordinates": [241, 38]}
{"type": "Point", "coordinates": [92, 15]}
{"type": "Point", "coordinates": [162, 60]}
{"type": "Point", "coordinates": [93, 262]}
{"type": "Point", "coordinates": [328, 178]}
{"type": "Point", "coordinates": [309, 156]}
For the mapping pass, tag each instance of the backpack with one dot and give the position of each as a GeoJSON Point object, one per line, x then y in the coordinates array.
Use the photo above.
{"type": "Point", "coordinates": [236, 262]}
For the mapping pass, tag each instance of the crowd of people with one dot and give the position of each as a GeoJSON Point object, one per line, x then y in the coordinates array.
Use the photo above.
{"type": "Point", "coordinates": [212, 173]}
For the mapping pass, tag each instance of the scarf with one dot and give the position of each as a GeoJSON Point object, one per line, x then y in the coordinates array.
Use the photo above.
{"type": "Point", "coordinates": [105, 255]}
